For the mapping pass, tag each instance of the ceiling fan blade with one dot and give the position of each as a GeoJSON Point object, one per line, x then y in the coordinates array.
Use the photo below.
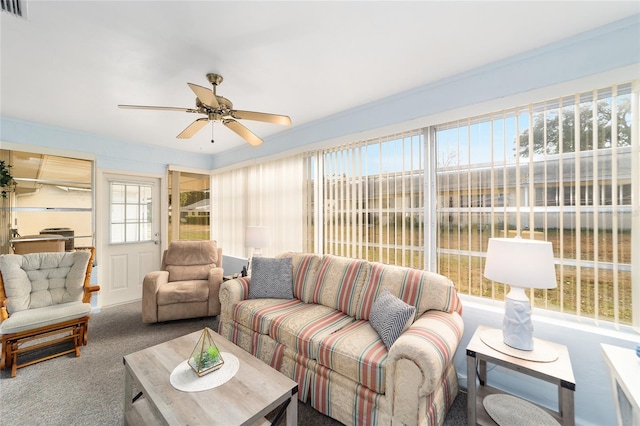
{"type": "Point", "coordinates": [262, 116]}
{"type": "Point", "coordinates": [193, 128]}
{"type": "Point", "coordinates": [243, 132]}
{"type": "Point", "coordinates": [160, 108]}
{"type": "Point", "coordinates": [205, 95]}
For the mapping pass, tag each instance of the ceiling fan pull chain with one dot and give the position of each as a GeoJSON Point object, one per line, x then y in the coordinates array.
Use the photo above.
{"type": "Point", "coordinates": [212, 124]}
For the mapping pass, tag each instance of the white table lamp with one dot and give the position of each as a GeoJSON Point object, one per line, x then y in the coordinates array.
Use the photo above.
{"type": "Point", "coordinates": [522, 264]}
{"type": "Point", "coordinates": [256, 237]}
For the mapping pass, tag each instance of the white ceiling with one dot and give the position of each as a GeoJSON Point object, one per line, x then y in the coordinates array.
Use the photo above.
{"type": "Point", "coordinates": [71, 62]}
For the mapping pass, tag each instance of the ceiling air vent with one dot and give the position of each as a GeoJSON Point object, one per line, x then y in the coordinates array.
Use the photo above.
{"type": "Point", "coordinates": [15, 7]}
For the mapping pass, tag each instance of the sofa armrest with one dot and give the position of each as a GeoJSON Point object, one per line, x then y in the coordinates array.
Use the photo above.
{"type": "Point", "coordinates": [231, 292]}
{"type": "Point", "coordinates": [418, 359]}
{"type": "Point", "coordinates": [150, 285]}
{"type": "Point", "coordinates": [215, 281]}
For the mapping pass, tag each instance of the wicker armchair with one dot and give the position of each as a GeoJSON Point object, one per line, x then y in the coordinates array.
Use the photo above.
{"type": "Point", "coordinates": [45, 300]}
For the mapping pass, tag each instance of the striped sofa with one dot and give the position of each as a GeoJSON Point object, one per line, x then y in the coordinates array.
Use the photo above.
{"type": "Point", "coordinates": [322, 339]}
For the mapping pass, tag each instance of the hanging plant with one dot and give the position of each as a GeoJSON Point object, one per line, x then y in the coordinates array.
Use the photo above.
{"type": "Point", "coordinates": [6, 180]}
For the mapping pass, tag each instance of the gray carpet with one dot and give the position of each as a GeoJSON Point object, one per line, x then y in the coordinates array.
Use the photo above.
{"type": "Point", "coordinates": [88, 390]}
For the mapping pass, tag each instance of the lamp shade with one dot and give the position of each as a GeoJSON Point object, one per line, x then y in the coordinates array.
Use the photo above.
{"type": "Point", "coordinates": [257, 237]}
{"type": "Point", "coordinates": [520, 263]}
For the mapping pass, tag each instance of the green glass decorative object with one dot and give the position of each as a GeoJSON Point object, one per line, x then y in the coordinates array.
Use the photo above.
{"type": "Point", "coordinates": [206, 356]}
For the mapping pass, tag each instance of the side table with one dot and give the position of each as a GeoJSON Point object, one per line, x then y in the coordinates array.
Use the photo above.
{"type": "Point", "coordinates": [558, 371]}
{"type": "Point", "coordinates": [625, 381]}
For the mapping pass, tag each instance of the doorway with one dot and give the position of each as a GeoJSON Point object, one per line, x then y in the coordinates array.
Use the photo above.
{"type": "Point", "coordinates": [129, 234]}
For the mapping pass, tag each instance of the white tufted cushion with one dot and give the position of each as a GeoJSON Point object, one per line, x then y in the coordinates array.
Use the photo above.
{"type": "Point", "coordinates": [37, 280]}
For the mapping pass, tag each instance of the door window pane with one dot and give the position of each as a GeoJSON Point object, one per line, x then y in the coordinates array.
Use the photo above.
{"type": "Point", "coordinates": [130, 219]}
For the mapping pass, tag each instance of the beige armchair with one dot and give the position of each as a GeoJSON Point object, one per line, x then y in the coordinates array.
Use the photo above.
{"type": "Point", "coordinates": [188, 284]}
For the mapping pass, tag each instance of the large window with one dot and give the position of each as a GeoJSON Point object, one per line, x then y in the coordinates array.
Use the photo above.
{"type": "Point", "coordinates": [558, 171]}
{"type": "Point", "coordinates": [53, 195]}
{"type": "Point", "coordinates": [372, 200]}
{"type": "Point", "coordinates": [189, 206]}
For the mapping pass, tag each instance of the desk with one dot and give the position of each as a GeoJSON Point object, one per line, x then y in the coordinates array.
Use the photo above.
{"type": "Point", "coordinates": [558, 372]}
{"type": "Point", "coordinates": [625, 380]}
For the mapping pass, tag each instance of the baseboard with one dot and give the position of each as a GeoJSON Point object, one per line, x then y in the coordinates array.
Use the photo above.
{"type": "Point", "coordinates": [462, 382]}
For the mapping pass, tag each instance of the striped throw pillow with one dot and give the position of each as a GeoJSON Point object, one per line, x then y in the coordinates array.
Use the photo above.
{"type": "Point", "coordinates": [390, 316]}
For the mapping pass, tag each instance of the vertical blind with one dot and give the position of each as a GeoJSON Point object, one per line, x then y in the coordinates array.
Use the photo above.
{"type": "Point", "coordinates": [370, 200]}
{"type": "Point", "coordinates": [268, 194]}
{"type": "Point", "coordinates": [560, 171]}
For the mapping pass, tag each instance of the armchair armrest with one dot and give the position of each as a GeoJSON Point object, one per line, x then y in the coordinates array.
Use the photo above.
{"type": "Point", "coordinates": [215, 280]}
{"type": "Point", "coordinates": [150, 285]}
{"type": "Point", "coordinates": [418, 359]}
{"type": "Point", "coordinates": [4, 314]}
{"type": "Point", "coordinates": [87, 293]}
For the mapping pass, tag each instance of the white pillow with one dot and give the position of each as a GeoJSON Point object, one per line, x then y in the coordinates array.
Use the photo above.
{"type": "Point", "coordinates": [390, 316]}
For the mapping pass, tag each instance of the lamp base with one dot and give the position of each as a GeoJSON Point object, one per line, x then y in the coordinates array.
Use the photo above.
{"type": "Point", "coordinates": [542, 351]}
{"type": "Point", "coordinates": [516, 326]}
{"type": "Point", "coordinates": [516, 337]}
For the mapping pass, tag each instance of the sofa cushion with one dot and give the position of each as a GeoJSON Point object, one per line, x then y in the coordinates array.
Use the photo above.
{"type": "Point", "coordinates": [38, 280]}
{"type": "Point", "coordinates": [303, 329]}
{"type": "Point", "coordinates": [271, 278]}
{"type": "Point", "coordinates": [339, 283]}
{"type": "Point", "coordinates": [357, 352]}
{"type": "Point", "coordinates": [257, 314]}
{"type": "Point", "coordinates": [390, 316]}
{"type": "Point", "coordinates": [183, 292]}
{"type": "Point", "coordinates": [423, 289]}
{"type": "Point", "coordinates": [29, 319]}
{"type": "Point", "coordinates": [305, 269]}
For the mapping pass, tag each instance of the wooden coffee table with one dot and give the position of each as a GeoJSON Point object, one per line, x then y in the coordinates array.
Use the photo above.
{"type": "Point", "coordinates": [254, 391]}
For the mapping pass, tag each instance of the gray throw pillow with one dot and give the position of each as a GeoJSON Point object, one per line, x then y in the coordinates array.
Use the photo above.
{"type": "Point", "coordinates": [271, 278]}
{"type": "Point", "coordinates": [390, 316]}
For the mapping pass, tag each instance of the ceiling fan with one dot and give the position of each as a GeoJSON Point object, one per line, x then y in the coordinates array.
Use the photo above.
{"type": "Point", "coordinates": [218, 108]}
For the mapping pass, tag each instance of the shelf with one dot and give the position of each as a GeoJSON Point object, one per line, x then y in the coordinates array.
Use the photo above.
{"type": "Point", "coordinates": [483, 418]}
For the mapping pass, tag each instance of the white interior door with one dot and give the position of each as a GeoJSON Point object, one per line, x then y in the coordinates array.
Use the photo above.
{"type": "Point", "coordinates": [130, 235]}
